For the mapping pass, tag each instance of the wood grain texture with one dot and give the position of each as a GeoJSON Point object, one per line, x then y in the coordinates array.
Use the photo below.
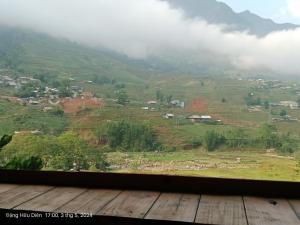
{"type": "Point", "coordinates": [51, 200]}
{"type": "Point", "coordinates": [17, 196]}
{"type": "Point", "coordinates": [6, 187]}
{"type": "Point", "coordinates": [132, 204]}
{"type": "Point", "coordinates": [221, 210]}
{"type": "Point", "coordinates": [89, 202]}
{"type": "Point", "coordinates": [296, 206]}
{"type": "Point", "coordinates": [261, 211]}
{"type": "Point", "coordinates": [174, 207]}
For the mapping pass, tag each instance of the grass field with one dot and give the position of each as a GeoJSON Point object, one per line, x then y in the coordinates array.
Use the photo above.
{"type": "Point", "coordinates": [245, 164]}
{"type": "Point", "coordinates": [15, 117]}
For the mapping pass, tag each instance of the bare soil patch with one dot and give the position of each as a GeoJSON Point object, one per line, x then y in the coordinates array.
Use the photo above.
{"type": "Point", "coordinates": [78, 104]}
{"type": "Point", "coordinates": [197, 105]}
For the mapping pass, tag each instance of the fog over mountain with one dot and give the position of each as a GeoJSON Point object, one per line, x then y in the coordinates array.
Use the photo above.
{"type": "Point", "coordinates": [219, 13]}
{"type": "Point", "coordinates": [149, 28]}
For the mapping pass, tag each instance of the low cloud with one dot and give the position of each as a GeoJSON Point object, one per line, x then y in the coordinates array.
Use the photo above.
{"type": "Point", "coordinates": [142, 28]}
{"type": "Point", "coordinates": [293, 7]}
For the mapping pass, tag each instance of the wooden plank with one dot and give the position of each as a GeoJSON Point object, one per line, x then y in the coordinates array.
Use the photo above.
{"type": "Point", "coordinates": [51, 200]}
{"type": "Point", "coordinates": [261, 211]}
{"type": "Point", "coordinates": [174, 207]}
{"type": "Point", "coordinates": [90, 202]}
{"type": "Point", "coordinates": [296, 206]}
{"type": "Point", "coordinates": [222, 210]}
{"type": "Point", "coordinates": [6, 187]}
{"type": "Point", "coordinates": [132, 204]}
{"type": "Point", "coordinates": [17, 196]}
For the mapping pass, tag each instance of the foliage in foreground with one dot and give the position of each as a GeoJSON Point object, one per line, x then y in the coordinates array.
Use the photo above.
{"type": "Point", "coordinates": [5, 140]}
{"type": "Point", "coordinates": [18, 163]}
{"type": "Point", "coordinates": [25, 163]}
{"type": "Point", "coordinates": [66, 152]}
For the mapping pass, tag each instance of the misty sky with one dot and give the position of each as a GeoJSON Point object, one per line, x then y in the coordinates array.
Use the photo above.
{"type": "Point", "coordinates": [279, 10]}
{"type": "Point", "coordinates": [140, 28]}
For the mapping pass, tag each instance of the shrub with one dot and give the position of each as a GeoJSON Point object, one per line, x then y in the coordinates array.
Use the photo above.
{"type": "Point", "coordinates": [5, 140]}
{"type": "Point", "coordinates": [131, 136]}
{"type": "Point", "coordinates": [212, 140]}
{"type": "Point", "coordinates": [25, 163]}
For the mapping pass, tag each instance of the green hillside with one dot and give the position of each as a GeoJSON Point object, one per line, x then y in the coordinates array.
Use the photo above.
{"type": "Point", "coordinates": [25, 51]}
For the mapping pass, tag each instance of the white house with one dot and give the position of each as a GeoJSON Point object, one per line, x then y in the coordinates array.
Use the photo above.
{"type": "Point", "coordinates": [169, 116]}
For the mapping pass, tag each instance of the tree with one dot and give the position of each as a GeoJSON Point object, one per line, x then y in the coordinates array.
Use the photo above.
{"type": "Point", "coordinates": [251, 101]}
{"type": "Point", "coordinates": [122, 97]}
{"type": "Point", "coordinates": [162, 98]}
{"type": "Point", "coordinates": [158, 94]}
{"type": "Point", "coordinates": [57, 111]}
{"type": "Point", "coordinates": [268, 135]}
{"type": "Point", "coordinates": [72, 151]}
{"type": "Point", "coordinates": [223, 100]}
{"type": "Point", "coordinates": [287, 144]}
{"type": "Point", "coordinates": [131, 136]}
{"type": "Point", "coordinates": [26, 91]}
{"type": "Point", "coordinates": [100, 133]}
{"type": "Point", "coordinates": [169, 99]}
{"type": "Point", "coordinates": [236, 138]}
{"type": "Point", "coordinates": [266, 104]}
{"type": "Point", "coordinates": [120, 86]}
{"type": "Point", "coordinates": [213, 140]}
{"type": "Point", "coordinates": [283, 113]}
{"type": "Point", "coordinates": [64, 88]}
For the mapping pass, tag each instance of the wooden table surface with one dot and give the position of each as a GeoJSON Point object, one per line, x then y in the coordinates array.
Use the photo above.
{"type": "Point", "coordinates": [152, 205]}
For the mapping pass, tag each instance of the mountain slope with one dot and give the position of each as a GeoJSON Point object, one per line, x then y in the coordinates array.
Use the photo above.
{"type": "Point", "coordinates": [30, 52]}
{"type": "Point", "coordinates": [217, 12]}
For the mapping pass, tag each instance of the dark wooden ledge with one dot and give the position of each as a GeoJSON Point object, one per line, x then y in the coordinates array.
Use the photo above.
{"type": "Point", "coordinates": [165, 183]}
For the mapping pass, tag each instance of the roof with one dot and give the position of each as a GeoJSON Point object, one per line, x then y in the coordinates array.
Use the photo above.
{"type": "Point", "coordinates": [206, 117]}
{"type": "Point", "coordinates": [194, 117]}
{"type": "Point", "coordinates": [151, 102]}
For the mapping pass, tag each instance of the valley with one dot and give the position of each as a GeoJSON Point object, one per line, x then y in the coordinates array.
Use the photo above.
{"type": "Point", "coordinates": [181, 110]}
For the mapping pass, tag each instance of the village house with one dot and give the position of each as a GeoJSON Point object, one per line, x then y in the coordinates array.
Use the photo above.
{"type": "Point", "coordinates": [169, 116]}
{"type": "Point", "coordinates": [26, 80]}
{"type": "Point", "coordinates": [205, 118]}
{"type": "Point", "coordinates": [34, 101]}
{"type": "Point", "coordinates": [47, 108]}
{"type": "Point", "coordinates": [255, 108]}
{"type": "Point", "coordinates": [290, 104]}
{"type": "Point", "coordinates": [177, 103]}
{"type": "Point", "coordinates": [12, 83]}
{"type": "Point", "coordinates": [199, 119]}
{"type": "Point", "coordinates": [152, 102]}
{"type": "Point", "coordinates": [194, 118]}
